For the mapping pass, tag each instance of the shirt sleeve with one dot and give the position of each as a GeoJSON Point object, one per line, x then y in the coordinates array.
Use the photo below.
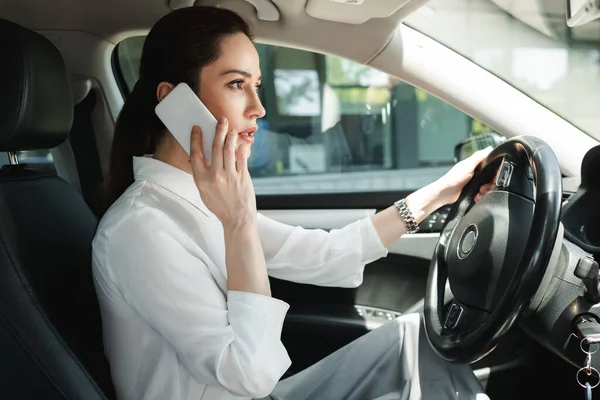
{"type": "Point", "coordinates": [230, 339]}
{"type": "Point", "coordinates": [315, 256]}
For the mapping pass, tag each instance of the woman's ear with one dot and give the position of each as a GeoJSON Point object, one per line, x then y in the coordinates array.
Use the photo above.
{"type": "Point", "coordinates": [163, 89]}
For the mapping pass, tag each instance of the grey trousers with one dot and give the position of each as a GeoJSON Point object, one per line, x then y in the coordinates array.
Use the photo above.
{"type": "Point", "coordinates": [393, 362]}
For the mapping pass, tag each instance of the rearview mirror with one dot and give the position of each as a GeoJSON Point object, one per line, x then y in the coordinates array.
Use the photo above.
{"type": "Point", "coordinates": [580, 12]}
{"type": "Point", "coordinates": [471, 144]}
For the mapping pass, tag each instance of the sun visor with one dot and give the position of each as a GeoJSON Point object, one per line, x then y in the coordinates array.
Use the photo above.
{"type": "Point", "coordinates": [265, 9]}
{"type": "Point", "coordinates": [358, 11]}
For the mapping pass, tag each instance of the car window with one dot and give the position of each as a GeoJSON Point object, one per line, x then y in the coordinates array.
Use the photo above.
{"type": "Point", "coordinates": [127, 57]}
{"type": "Point", "coordinates": [333, 125]}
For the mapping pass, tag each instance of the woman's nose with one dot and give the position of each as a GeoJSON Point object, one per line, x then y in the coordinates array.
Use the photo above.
{"type": "Point", "coordinates": [256, 109]}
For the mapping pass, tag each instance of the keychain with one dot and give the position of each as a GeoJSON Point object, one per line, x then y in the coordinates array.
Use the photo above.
{"type": "Point", "coordinates": [588, 369]}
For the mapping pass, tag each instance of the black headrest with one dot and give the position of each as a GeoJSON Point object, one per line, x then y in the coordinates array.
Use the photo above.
{"type": "Point", "coordinates": [36, 106]}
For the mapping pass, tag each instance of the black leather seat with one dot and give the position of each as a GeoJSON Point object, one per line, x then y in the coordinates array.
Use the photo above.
{"type": "Point", "coordinates": [50, 328]}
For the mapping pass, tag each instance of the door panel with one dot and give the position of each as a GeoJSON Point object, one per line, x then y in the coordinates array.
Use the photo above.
{"type": "Point", "coordinates": [323, 319]}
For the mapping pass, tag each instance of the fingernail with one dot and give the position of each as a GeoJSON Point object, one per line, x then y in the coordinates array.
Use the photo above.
{"type": "Point", "coordinates": [222, 120]}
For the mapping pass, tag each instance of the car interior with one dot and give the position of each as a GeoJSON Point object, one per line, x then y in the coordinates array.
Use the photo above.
{"type": "Point", "coordinates": [366, 102]}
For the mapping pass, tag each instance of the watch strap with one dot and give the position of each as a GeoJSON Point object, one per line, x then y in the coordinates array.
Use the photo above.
{"type": "Point", "coordinates": [407, 216]}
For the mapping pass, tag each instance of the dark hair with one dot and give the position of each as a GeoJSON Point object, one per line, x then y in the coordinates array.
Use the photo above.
{"type": "Point", "coordinates": [178, 46]}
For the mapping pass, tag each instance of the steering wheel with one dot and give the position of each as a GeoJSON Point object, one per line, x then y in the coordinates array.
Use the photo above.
{"type": "Point", "coordinates": [493, 252]}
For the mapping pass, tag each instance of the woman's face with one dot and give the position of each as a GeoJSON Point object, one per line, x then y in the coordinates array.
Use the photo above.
{"type": "Point", "coordinates": [228, 86]}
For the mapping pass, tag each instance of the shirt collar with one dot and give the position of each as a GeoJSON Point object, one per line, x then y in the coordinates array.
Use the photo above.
{"type": "Point", "coordinates": [170, 178]}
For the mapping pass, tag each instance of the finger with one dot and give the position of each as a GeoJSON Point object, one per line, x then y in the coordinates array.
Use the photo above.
{"type": "Point", "coordinates": [219, 141]}
{"type": "Point", "coordinates": [486, 150]}
{"type": "Point", "coordinates": [483, 190]}
{"type": "Point", "coordinates": [229, 150]}
{"type": "Point", "coordinates": [197, 160]}
{"type": "Point", "coordinates": [487, 187]}
{"type": "Point", "coordinates": [483, 153]}
{"type": "Point", "coordinates": [243, 154]}
{"type": "Point", "coordinates": [476, 158]}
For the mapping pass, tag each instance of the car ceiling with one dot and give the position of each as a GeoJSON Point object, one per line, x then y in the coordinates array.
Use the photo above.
{"type": "Point", "coordinates": [114, 20]}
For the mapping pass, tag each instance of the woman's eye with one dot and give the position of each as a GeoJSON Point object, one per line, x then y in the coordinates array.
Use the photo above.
{"type": "Point", "coordinates": [237, 85]}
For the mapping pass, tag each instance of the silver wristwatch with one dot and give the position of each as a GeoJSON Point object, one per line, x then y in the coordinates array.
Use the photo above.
{"type": "Point", "coordinates": [407, 216]}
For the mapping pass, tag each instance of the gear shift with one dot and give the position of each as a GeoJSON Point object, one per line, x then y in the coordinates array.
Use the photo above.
{"type": "Point", "coordinates": [588, 271]}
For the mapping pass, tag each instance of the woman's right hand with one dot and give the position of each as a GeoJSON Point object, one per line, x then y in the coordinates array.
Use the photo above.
{"type": "Point", "coordinates": [225, 186]}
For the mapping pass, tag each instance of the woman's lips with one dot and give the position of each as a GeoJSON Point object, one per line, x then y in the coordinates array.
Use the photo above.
{"type": "Point", "coordinates": [247, 135]}
{"type": "Point", "coordinates": [248, 138]}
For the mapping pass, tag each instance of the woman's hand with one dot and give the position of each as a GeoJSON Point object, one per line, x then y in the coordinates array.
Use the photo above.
{"type": "Point", "coordinates": [453, 182]}
{"type": "Point", "coordinates": [225, 186]}
{"type": "Point", "coordinates": [226, 189]}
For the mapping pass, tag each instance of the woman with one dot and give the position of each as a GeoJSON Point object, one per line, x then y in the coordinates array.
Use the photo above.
{"type": "Point", "coordinates": [181, 257]}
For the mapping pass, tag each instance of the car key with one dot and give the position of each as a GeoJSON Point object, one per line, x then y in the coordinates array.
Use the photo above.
{"type": "Point", "coordinates": [588, 329]}
{"type": "Point", "coordinates": [587, 371]}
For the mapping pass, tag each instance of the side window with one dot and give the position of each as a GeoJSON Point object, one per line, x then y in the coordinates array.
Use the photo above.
{"type": "Point", "coordinates": [127, 57]}
{"type": "Point", "coordinates": [333, 125]}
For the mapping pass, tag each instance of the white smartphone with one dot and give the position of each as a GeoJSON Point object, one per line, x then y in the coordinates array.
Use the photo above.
{"type": "Point", "coordinates": [180, 110]}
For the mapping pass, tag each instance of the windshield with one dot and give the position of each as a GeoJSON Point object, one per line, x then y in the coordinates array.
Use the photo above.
{"type": "Point", "coordinates": [528, 44]}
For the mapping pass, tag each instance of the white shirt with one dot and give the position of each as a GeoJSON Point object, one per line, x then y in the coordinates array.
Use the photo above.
{"type": "Point", "coordinates": [171, 328]}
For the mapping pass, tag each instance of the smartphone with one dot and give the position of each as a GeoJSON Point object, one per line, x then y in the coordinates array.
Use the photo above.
{"type": "Point", "coordinates": [180, 110]}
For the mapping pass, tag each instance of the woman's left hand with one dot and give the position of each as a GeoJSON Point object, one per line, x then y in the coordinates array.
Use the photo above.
{"type": "Point", "coordinates": [453, 182]}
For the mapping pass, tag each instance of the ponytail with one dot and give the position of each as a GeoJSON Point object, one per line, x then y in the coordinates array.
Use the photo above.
{"type": "Point", "coordinates": [137, 132]}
